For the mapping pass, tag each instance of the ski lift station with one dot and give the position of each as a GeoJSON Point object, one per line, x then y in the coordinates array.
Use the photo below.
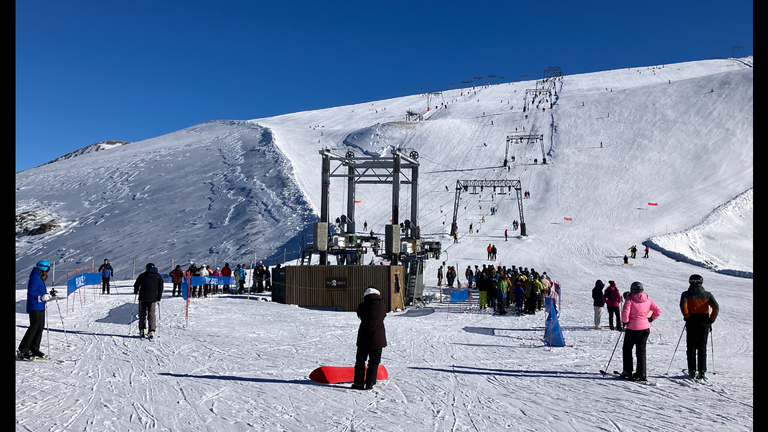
{"type": "Point", "coordinates": [340, 286]}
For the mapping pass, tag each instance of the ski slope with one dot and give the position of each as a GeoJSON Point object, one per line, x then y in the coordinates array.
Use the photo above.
{"type": "Point", "coordinates": [676, 135]}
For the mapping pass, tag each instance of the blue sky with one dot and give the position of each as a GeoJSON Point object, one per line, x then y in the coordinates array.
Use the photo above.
{"type": "Point", "coordinates": [91, 71]}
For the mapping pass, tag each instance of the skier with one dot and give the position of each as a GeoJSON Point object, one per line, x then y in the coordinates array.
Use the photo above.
{"type": "Point", "coordinates": [450, 276]}
{"type": "Point", "coordinates": [505, 235]}
{"type": "Point", "coordinates": [226, 272]}
{"type": "Point", "coordinates": [597, 302]}
{"type": "Point", "coordinates": [634, 314]}
{"type": "Point", "coordinates": [371, 338]}
{"type": "Point", "coordinates": [37, 295]}
{"type": "Point", "coordinates": [106, 271]}
{"type": "Point", "coordinates": [700, 310]}
{"type": "Point", "coordinates": [612, 298]}
{"type": "Point", "coordinates": [493, 252]}
{"type": "Point", "coordinates": [482, 289]}
{"type": "Point", "coordinates": [647, 249]}
{"type": "Point", "coordinates": [489, 251]}
{"type": "Point", "coordinates": [267, 279]}
{"type": "Point", "coordinates": [468, 273]}
{"type": "Point", "coordinates": [633, 251]}
{"type": "Point", "coordinates": [149, 288]}
{"type": "Point", "coordinates": [439, 275]}
{"type": "Point", "coordinates": [240, 279]}
{"type": "Point", "coordinates": [176, 277]}
{"type": "Point", "coordinates": [519, 294]}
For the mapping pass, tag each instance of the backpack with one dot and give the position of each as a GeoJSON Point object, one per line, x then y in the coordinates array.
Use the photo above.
{"type": "Point", "coordinates": [609, 294]}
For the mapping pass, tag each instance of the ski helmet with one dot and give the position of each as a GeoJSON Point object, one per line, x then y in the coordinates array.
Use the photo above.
{"type": "Point", "coordinates": [636, 287]}
{"type": "Point", "coordinates": [43, 265]}
{"type": "Point", "coordinates": [149, 266]}
{"type": "Point", "coordinates": [695, 280]}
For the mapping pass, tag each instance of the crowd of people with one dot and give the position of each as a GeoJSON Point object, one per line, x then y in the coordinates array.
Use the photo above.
{"type": "Point", "coordinates": [500, 287]}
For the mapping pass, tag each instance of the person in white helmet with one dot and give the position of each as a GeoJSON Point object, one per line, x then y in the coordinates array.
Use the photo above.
{"type": "Point", "coordinates": [371, 338]}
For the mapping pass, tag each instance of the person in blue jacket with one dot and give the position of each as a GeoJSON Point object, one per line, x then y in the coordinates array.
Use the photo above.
{"type": "Point", "coordinates": [37, 295]}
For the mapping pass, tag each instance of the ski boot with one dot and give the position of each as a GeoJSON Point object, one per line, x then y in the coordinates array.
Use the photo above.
{"type": "Point", "coordinates": [692, 374]}
{"type": "Point", "coordinates": [702, 376]}
{"type": "Point", "coordinates": [142, 333]}
{"type": "Point", "coordinates": [358, 387]}
{"type": "Point", "coordinates": [151, 335]}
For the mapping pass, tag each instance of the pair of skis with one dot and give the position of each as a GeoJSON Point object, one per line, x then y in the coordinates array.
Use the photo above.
{"type": "Point", "coordinates": [617, 374]}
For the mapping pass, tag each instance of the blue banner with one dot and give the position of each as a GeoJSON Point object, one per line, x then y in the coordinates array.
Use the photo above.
{"type": "Point", "coordinates": [212, 280]}
{"type": "Point", "coordinates": [82, 280]}
{"type": "Point", "coordinates": [459, 296]}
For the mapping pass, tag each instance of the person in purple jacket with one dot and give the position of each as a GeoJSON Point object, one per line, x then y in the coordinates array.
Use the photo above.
{"type": "Point", "coordinates": [612, 298]}
{"type": "Point", "coordinates": [634, 314]}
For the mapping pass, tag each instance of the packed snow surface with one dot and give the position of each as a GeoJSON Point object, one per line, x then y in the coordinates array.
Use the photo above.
{"type": "Point", "coordinates": [659, 155]}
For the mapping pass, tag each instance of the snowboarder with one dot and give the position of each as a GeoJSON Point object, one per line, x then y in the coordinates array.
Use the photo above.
{"type": "Point", "coordinates": [612, 298]}
{"type": "Point", "coordinates": [700, 310]}
{"type": "Point", "coordinates": [597, 302]}
{"type": "Point", "coordinates": [106, 271]}
{"type": "Point", "coordinates": [626, 260]}
{"type": "Point", "coordinates": [371, 338]}
{"type": "Point", "coordinates": [634, 315]}
{"type": "Point", "coordinates": [149, 288]}
{"type": "Point", "coordinates": [37, 296]}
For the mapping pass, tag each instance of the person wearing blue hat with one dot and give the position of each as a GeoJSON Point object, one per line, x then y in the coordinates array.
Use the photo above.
{"type": "Point", "coordinates": [37, 295]}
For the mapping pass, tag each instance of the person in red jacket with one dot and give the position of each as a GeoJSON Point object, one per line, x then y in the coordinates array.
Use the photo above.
{"type": "Point", "coordinates": [176, 276]}
{"type": "Point", "coordinates": [634, 314]}
{"type": "Point", "coordinates": [226, 272]}
{"type": "Point", "coordinates": [371, 338]}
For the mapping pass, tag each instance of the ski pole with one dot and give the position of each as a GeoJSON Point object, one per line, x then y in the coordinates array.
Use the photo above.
{"type": "Point", "coordinates": [678, 344]}
{"type": "Point", "coordinates": [712, 342]}
{"type": "Point", "coordinates": [614, 350]}
{"type": "Point", "coordinates": [62, 320]}
{"type": "Point", "coordinates": [130, 323]}
{"type": "Point", "coordinates": [47, 328]}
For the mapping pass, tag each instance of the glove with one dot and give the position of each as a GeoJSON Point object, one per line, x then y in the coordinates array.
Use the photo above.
{"type": "Point", "coordinates": [53, 292]}
{"type": "Point", "coordinates": [45, 297]}
{"type": "Point", "coordinates": [650, 320]}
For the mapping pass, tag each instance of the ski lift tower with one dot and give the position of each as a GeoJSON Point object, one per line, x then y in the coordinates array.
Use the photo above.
{"type": "Point", "coordinates": [368, 170]}
{"type": "Point", "coordinates": [518, 138]}
{"type": "Point", "coordinates": [498, 186]}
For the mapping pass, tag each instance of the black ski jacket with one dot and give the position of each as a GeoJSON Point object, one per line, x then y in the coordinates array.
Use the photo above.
{"type": "Point", "coordinates": [149, 286]}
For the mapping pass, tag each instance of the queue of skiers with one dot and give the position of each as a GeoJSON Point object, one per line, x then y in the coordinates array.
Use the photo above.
{"type": "Point", "coordinates": [500, 287]}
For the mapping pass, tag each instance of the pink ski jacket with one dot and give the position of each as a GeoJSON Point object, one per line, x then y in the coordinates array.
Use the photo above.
{"type": "Point", "coordinates": [634, 313]}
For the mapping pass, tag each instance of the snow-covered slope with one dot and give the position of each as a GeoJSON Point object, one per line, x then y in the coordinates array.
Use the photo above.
{"type": "Point", "coordinates": [658, 155]}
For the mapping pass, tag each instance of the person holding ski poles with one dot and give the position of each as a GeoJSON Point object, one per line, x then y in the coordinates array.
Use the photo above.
{"type": "Point", "coordinates": [637, 324]}
{"type": "Point", "coordinates": [149, 288]}
{"type": "Point", "coordinates": [37, 295]}
{"type": "Point", "coordinates": [696, 304]}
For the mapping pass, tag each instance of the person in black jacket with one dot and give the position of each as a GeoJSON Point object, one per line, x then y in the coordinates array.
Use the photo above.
{"type": "Point", "coordinates": [149, 288]}
{"type": "Point", "coordinates": [371, 338]}
{"type": "Point", "coordinates": [597, 297]}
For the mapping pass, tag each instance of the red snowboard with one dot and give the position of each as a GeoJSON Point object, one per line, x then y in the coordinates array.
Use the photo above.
{"type": "Point", "coordinates": [342, 374]}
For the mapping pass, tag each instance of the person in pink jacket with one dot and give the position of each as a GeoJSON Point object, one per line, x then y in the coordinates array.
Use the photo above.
{"type": "Point", "coordinates": [634, 315]}
{"type": "Point", "coordinates": [612, 298]}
